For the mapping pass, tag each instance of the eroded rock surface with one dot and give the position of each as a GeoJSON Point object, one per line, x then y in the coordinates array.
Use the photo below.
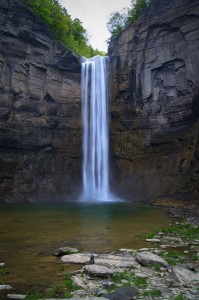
{"type": "Point", "coordinates": [40, 111]}
{"type": "Point", "coordinates": [155, 102]}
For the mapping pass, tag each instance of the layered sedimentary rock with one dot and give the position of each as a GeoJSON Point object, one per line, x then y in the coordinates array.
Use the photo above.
{"type": "Point", "coordinates": [40, 110]}
{"type": "Point", "coordinates": [155, 102]}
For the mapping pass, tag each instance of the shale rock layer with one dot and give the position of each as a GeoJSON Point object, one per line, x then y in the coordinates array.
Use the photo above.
{"type": "Point", "coordinates": [40, 110]}
{"type": "Point", "coordinates": [155, 102]}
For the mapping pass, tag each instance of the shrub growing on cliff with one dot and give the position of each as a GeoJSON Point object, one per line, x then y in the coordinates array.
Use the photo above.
{"type": "Point", "coordinates": [70, 32]}
{"type": "Point", "coordinates": [120, 20]}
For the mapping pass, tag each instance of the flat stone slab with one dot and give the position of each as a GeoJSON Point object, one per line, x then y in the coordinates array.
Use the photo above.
{"type": "Point", "coordinates": [5, 287]}
{"type": "Point", "coordinates": [184, 275]}
{"type": "Point", "coordinates": [78, 258]}
{"type": "Point", "coordinates": [98, 270]}
{"type": "Point", "coordinates": [116, 261]}
{"type": "Point", "coordinates": [65, 250]}
{"type": "Point", "coordinates": [16, 296]}
{"type": "Point", "coordinates": [153, 240]}
{"type": "Point", "coordinates": [126, 250]}
{"type": "Point", "coordinates": [147, 258]}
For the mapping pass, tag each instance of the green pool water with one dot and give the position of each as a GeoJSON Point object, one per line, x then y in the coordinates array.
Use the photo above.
{"type": "Point", "coordinates": [29, 233]}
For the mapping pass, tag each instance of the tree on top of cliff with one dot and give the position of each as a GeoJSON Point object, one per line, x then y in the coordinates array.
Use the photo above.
{"type": "Point", "coordinates": [120, 20]}
{"type": "Point", "coordinates": [70, 32]}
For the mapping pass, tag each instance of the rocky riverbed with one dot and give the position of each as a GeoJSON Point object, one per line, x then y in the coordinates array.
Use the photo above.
{"type": "Point", "coordinates": [167, 269]}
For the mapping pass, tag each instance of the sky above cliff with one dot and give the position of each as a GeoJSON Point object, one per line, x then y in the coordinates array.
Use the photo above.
{"type": "Point", "coordinates": [94, 16]}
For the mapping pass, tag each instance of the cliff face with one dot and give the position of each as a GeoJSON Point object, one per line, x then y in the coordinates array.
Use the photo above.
{"type": "Point", "coordinates": [155, 102]}
{"type": "Point", "coordinates": [40, 110]}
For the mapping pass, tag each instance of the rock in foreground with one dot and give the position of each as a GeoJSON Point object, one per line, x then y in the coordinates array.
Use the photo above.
{"type": "Point", "coordinates": [148, 258]}
{"type": "Point", "coordinates": [123, 293]}
{"type": "Point", "coordinates": [78, 258]}
{"type": "Point", "coordinates": [96, 270]}
{"type": "Point", "coordinates": [184, 275]}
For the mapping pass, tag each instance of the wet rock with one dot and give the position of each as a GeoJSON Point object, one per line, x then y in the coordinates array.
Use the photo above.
{"type": "Point", "coordinates": [65, 250]}
{"type": "Point", "coordinates": [5, 287]}
{"type": "Point", "coordinates": [148, 258]}
{"type": "Point", "coordinates": [16, 296]}
{"type": "Point", "coordinates": [97, 270]}
{"type": "Point", "coordinates": [78, 258]}
{"type": "Point", "coordinates": [123, 293]}
{"type": "Point", "coordinates": [184, 275]}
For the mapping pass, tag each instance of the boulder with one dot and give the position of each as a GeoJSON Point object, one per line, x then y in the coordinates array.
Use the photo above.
{"type": "Point", "coordinates": [65, 250]}
{"type": "Point", "coordinates": [78, 258]}
{"type": "Point", "coordinates": [148, 258]}
{"type": "Point", "coordinates": [123, 293]}
{"type": "Point", "coordinates": [185, 276]}
{"type": "Point", "coordinates": [96, 270]}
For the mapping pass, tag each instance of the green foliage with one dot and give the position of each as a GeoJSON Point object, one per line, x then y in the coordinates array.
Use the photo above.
{"type": "Point", "coordinates": [70, 32]}
{"type": "Point", "coordinates": [118, 277]}
{"type": "Point", "coordinates": [2, 274]}
{"type": "Point", "coordinates": [140, 282]}
{"type": "Point", "coordinates": [179, 297]}
{"type": "Point", "coordinates": [149, 235]}
{"type": "Point", "coordinates": [120, 20]}
{"type": "Point", "coordinates": [34, 296]}
{"type": "Point", "coordinates": [56, 291]}
{"type": "Point", "coordinates": [156, 266]}
{"type": "Point", "coordinates": [185, 230]}
{"type": "Point", "coordinates": [172, 257]}
{"type": "Point", "coordinates": [128, 279]}
{"type": "Point", "coordinates": [153, 293]}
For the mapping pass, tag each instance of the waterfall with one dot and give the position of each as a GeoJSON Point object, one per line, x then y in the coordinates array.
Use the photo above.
{"type": "Point", "coordinates": [95, 94]}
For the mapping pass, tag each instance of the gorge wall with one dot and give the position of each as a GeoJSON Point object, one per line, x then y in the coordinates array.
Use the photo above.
{"type": "Point", "coordinates": [154, 129]}
{"type": "Point", "coordinates": [40, 110]}
{"type": "Point", "coordinates": [155, 103]}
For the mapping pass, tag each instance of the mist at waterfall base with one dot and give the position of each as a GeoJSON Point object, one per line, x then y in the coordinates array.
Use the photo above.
{"type": "Point", "coordinates": [95, 98]}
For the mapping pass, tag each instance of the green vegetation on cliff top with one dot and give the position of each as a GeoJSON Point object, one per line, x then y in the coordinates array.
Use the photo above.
{"type": "Point", "coordinates": [120, 20]}
{"type": "Point", "coordinates": [70, 32]}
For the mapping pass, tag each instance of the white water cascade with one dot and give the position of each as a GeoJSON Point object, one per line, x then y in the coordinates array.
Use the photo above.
{"type": "Point", "coordinates": [95, 93]}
